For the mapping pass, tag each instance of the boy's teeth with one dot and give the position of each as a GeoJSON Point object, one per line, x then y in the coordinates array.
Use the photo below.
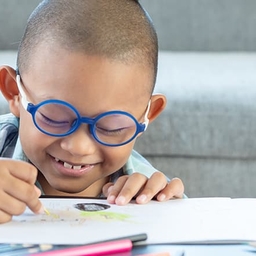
{"type": "Point", "coordinates": [75, 167]}
{"type": "Point", "coordinates": [78, 167]}
{"type": "Point", "coordinates": [66, 165]}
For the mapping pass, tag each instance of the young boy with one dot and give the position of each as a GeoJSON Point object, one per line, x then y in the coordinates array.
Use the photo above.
{"type": "Point", "coordinates": [81, 95]}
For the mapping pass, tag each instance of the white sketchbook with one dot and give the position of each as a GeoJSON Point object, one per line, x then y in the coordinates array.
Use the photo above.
{"type": "Point", "coordinates": [83, 221]}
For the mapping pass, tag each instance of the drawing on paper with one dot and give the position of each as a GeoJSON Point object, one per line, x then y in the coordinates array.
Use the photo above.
{"type": "Point", "coordinates": [91, 207]}
{"type": "Point", "coordinates": [76, 214]}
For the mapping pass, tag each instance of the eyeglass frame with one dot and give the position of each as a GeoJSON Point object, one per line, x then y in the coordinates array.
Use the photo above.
{"type": "Point", "coordinates": [91, 122]}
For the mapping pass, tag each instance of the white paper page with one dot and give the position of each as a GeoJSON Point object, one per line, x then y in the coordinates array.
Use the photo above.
{"type": "Point", "coordinates": [184, 220]}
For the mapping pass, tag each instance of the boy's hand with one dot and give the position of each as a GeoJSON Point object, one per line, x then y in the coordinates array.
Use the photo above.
{"type": "Point", "coordinates": [143, 188]}
{"type": "Point", "coordinates": [17, 189]}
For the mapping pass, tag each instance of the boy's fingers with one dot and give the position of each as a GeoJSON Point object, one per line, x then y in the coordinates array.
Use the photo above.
{"type": "Point", "coordinates": [4, 217]}
{"type": "Point", "coordinates": [38, 191]}
{"type": "Point", "coordinates": [20, 189]}
{"type": "Point", "coordinates": [29, 195]}
{"type": "Point", "coordinates": [21, 170]}
{"type": "Point", "coordinates": [11, 206]}
{"type": "Point", "coordinates": [35, 205]}
{"type": "Point", "coordinates": [126, 187]}
{"type": "Point", "coordinates": [154, 184]}
{"type": "Point", "coordinates": [114, 190]}
{"type": "Point", "coordinates": [25, 172]}
{"type": "Point", "coordinates": [17, 189]}
{"type": "Point", "coordinates": [174, 189]}
{"type": "Point", "coordinates": [107, 188]}
{"type": "Point", "coordinates": [130, 189]}
{"type": "Point", "coordinates": [25, 193]}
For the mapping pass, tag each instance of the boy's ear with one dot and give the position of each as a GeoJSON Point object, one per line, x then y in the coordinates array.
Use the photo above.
{"type": "Point", "coordinates": [9, 88]}
{"type": "Point", "coordinates": [158, 103]}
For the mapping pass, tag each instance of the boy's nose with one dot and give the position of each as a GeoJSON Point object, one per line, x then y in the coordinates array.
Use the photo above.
{"type": "Point", "coordinates": [80, 142]}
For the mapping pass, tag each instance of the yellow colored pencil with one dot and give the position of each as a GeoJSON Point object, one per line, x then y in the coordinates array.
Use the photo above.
{"type": "Point", "coordinates": [46, 211]}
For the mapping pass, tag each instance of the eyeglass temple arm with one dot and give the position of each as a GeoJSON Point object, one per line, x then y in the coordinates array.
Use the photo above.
{"type": "Point", "coordinates": [23, 95]}
{"type": "Point", "coordinates": [146, 122]}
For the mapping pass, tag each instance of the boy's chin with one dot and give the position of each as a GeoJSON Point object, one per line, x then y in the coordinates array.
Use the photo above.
{"type": "Point", "coordinates": [71, 191]}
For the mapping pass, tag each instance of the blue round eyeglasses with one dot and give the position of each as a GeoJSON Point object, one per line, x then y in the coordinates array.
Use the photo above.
{"type": "Point", "coordinates": [59, 118]}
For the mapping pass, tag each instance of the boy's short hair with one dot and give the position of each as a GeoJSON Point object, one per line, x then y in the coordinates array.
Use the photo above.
{"type": "Point", "coordinates": [117, 29]}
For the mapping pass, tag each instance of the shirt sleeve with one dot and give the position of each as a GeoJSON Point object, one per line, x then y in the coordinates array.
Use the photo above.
{"type": "Point", "coordinates": [137, 163]}
{"type": "Point", "coordinates": [8, 135]}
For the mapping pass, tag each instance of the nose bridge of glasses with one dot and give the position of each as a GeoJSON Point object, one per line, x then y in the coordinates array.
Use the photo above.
{"type": "Point", "coordinates": [87, 120]}
{"type": "Point", "coordinates": [79, 142]}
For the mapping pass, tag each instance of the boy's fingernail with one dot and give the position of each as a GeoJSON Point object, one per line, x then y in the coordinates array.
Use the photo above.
{"type": "Point", "coordinates": [111, 199]}
{"type": "Point", "coordinates": [120, 200]}
{"type": "Point", "coordinates": [161, 197]}
{"type": "Point", "coordinates": [110, 189]}
{"type": "Point", "coordinates": [38, 191]}
{"type": "Point", "coordinates": [41, 210]}
{"type": "Point", "coordinates": [142, 198]}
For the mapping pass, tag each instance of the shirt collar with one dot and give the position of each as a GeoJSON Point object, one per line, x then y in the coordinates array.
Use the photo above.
{"type": "Point", "coordinates": [18, 152]}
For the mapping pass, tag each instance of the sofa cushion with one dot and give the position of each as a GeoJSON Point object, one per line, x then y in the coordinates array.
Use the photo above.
{"type": "Point", "coordinates": [211, 110]}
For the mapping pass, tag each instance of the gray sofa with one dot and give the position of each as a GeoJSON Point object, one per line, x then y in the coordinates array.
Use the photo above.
{"type": "Point", "coordinates": [207, 64]}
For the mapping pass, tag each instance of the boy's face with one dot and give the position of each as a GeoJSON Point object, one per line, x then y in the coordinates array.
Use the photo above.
{"type": "Point", "coordinates": [93, 85]}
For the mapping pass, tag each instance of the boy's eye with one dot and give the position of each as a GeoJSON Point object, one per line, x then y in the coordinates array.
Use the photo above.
{"type": "Point", "coordinates": [44, 120]}
{"type": "Point", "coordinates": [111, 132]}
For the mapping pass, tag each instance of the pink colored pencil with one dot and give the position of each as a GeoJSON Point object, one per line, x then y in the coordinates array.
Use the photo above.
{"type": "Point", "coordinates": [118, 246]}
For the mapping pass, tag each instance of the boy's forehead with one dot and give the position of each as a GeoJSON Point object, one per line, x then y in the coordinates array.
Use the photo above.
{"type": "Point", "coordinates": [54, 62]}
{"type": "Point", "coordinates": [75, 76]}
{"type": "Point", "coordinates": [54, 58]}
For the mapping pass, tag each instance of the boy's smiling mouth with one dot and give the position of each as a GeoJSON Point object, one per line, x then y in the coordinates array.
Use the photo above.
{"type": "Point", "coordinates": [72, 168]}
